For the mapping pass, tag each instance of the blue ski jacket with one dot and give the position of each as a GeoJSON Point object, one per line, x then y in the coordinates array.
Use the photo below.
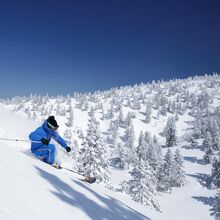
{"type": "Point", "coordinates": [45, 132]}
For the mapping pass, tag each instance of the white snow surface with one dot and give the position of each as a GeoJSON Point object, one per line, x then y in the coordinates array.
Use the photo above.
{"type": "Point", "coordinates": [31, 189]}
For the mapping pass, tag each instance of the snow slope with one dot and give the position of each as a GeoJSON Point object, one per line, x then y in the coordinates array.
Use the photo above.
{"type": "Point", "coordinates": [193, 200]}
{"type": "Point", "coordinates": [31, 189]}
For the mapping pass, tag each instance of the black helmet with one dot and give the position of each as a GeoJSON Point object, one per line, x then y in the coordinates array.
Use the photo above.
{"type": "Point", "coordinates": [52, 123]}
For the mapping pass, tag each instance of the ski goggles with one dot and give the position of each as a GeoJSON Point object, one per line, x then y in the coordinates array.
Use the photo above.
{"type": "Point", "coordinates": [52, 127]}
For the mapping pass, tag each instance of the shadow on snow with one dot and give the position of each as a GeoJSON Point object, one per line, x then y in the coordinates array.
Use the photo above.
{"type": "Point", "coordinates": [203, 179]}
{"type": "Point", "coordinates": [114, 209]}
{"type": "Point", "coordinates": [195, 160]}
{"type": "Point", "coordinates": [205, 200]}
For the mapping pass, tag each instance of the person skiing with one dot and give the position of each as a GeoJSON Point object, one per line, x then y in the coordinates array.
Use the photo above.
{"type": "Point", "coordinates": [42, 135]}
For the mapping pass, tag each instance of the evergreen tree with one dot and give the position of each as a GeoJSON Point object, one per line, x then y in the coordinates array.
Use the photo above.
{"type": "Point", "coordinates": [68, 136]}
{"type": "Point", "coordinates": [93, 154]}
{"type": "Point", "coordinates": [215, 175]}
{"type": "Point", "coordinates": [140, 150]}
{"type": "Point", "coordinates": [158, 159]}
{"type": "Point", "coordinates": [148, 112]}
{"type": "Point", "coordinates": [120, 155]}
{"type": "Point", "coordinates": [142, 187]}
{"type": "Point", "coordinates": [129, 145]}
{"type": "Point", "coordinates": [70, 117]}
{"type": "Point", "coordinates": [128, 119]}
{"type": "Point", "coordinates": [114, 128]}
{"type": "Point", "coordinates": [121, 119]}
{"type": "Point", "coordinates": [170, 132]}
{"type": "Point", "coordinates": [179, 174]}
{"type": "Point", "coordinates": [110, 112]}
{"type": "Point", "coordinates": [163, 110]}
{"type": "Point", "coordinates": [208, 147]}
{"type": "Point", "coordinates": [153, 161]}
{"type": "Point", "coordinates": [102, 112]}
{"type": "Point", "coordinates": [166, 172]}
{"type": "Point", "coordinates": [197, 128]}
{"type": "Point", "coordinates": [215, 210]}
{"type": "Point", "coordinates": [136, 103]}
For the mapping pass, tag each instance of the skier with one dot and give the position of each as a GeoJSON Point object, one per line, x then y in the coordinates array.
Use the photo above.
{"type": "Point", "coordinates": [44, 150]}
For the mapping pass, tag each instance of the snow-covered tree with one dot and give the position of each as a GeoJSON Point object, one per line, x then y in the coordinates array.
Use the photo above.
{"type": "Point", "coordinates": [141, 148]}
{"type": "Point", "coordinates": [208, 147]}
{"type": "Point", "coordinates": [121, 157]}
{"type": "Point", "coordinates": [121, 119]}
{"type": "Point", "coordinates": [129, 145]}
{"type": "Point", "coordinates": [128, 119]}
{"type": "Point", "coordinates": [69, 122]}
{"type": "Point", "coordinates": [110, 112]}
{"type": "Point", "coordinates": [179, 174]}
{"type": "Point", "coordinates": [170, 132]}
{"type": "Point", "coordinates": [68, 136]}
{"type": "Point", "coordinates": [215, 210]}
{"type": "Point", "coordinates": [136, 103]}
{"type": "Point", "coordinates": [142, 186]}
{"type": "Point", "coordinates": [163, 110]}
{"type": "Point", "coordinates": [114, 132]}
{"type": "Point", "coordinates": [166, 172]}
{"type": "Point", "coordinates": [93, 155]}
{"type": "Point", "coordinates": [148, 112]}
{"type": "Point", "coordinates": [102, 112]}
{"type": "Point", "coordinates": [215, 175]}
{"type": "Point", "coordinates": [191, 140]}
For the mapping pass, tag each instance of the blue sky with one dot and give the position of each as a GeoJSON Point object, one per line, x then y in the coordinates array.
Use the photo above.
{"type": "Point", "coordinates": [61, 47]}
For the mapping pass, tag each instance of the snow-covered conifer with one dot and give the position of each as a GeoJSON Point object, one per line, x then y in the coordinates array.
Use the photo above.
{"type": "Point", "coordinates": [170, 132]}
{"type": "Point", "coordinates": [70, 117]}
{"type": "Point", "coordinates": [148, 112]}
{"type": "Point", "coordinates": [68, 136]}
{"type": "Point", "coordinates": [141, 150]}
{"type": "Point", "coordinates": [179, 174]}
{"type": "Point", "coordinates": [136, 103]}
{"type": "Point", "coordinates": [142, 186]}
{"type": "Point", "coordinates": [163, 110]}
{"type": "Point", "coordinates": [129, 145]}
{"type": "Point", "coordinates": [121, 118]}
{"type": "Point", "coordinates": [110, 112]}
{"type": "Point", "coordinates": [114, 132]}
{"type": "Point", "coordinates": [93, 155]}
{"type": "Point", "coordinates": [215, 175]}
{"type": "Point", "coordinates": [128, 119]}
{"type": "Point", "coordinates": [166, 172]}
{"type": "Point", "coordinates": [215, 210]}
{"type": "Point", "coordinates": [209, 153]}
{"type": "Point", "coordinates": [120, 155]}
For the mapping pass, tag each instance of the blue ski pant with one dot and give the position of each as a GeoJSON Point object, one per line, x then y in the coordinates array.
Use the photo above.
{"type": "Point", "coordinates": [46, 153]}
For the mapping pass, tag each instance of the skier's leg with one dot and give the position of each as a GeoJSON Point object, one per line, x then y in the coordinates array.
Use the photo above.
{"type": "Point", "coordinates": [46, 152]}
{"type": "Point", "coordinates": [50, 158]}
{"type": "Point", "coordinates": [41, 152]}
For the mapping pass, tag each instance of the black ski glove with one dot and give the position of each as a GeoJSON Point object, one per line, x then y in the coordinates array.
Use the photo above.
{"type": "Point", "coordinates": [68, 149]}
{"type": "Point", "coordinates": [44, 141]}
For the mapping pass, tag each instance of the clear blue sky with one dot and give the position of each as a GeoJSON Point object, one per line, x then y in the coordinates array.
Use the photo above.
{"type": "Point", "coordinates": [63, 46]}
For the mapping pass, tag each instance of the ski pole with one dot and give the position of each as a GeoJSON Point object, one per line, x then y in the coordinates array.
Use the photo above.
{"type": "Point", "coordinates": [10, 139]}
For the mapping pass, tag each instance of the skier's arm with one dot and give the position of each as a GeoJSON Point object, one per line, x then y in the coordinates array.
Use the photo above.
{"type": "Point", "coordinates": [34, 136]}
{"type": "Point", "coordinates": [60, 140]}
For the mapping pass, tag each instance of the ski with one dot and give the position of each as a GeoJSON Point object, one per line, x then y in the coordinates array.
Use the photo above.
{"type": "Point", "coordinates": [87, 179]}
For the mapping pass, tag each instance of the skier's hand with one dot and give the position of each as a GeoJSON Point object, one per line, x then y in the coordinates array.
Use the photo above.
{"type": "Point", "coordinates": [44, 141]}
{"type": "Point", "coordinates": [68, 149]}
